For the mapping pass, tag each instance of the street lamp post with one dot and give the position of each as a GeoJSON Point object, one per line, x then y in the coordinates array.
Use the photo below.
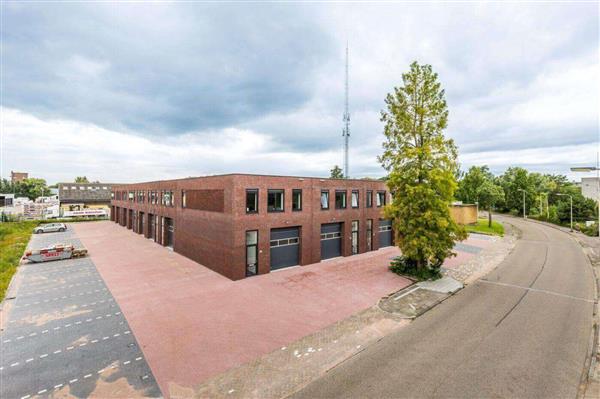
{"type": "Point", "coordinates": [524, 215]}
{"type": "Point", "coordinates": [571, 198]}
{"type": "Point", "coordinates": [590, 169]}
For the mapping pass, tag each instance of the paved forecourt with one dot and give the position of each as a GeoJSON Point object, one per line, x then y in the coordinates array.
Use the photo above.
{"type": "Point", "coordinates": [194, 323]}
{"type": "Point", "coordinates": [64, 333]}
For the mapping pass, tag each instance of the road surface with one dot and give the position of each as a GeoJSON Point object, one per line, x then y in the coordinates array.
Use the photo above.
{"type": "Point", "coordinates": [521, 331]}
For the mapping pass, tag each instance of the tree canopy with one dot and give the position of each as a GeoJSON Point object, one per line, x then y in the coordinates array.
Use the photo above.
{"type": "Point", "coordinates": [336, 173]}
{"type": "Point", "coordinates": [422, 165]}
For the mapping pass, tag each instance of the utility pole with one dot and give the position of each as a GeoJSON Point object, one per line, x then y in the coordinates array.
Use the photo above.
{"type": "Point", "coordinates": [346, 130]}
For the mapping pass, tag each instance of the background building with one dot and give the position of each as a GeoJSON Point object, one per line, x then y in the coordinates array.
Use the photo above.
{"type": "Point", "coordinates": [241, 225]}
{"type": "Point", "coordinates": [589, 187]}
{"type": "Point", "coordinates": [84, 199]}
{"type": "Point", "coordinates": [18, 176]}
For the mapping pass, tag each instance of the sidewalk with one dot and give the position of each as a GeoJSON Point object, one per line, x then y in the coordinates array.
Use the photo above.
{"type": "Point", "coordinates": [291, 367]}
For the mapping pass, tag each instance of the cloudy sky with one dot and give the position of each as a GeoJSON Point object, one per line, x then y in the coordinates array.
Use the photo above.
{"type": "Point", "coordinates": [130, 92]}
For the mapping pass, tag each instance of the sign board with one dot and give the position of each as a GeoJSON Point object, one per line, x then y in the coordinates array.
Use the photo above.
{"type": "Point", "coordinates": [86, 212]}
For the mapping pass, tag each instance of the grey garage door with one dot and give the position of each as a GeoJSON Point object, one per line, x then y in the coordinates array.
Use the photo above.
{"type": "Point", "coordinates": [385, 233]}
{"type": "Point", "coordinates": [285, 245]}
{"type": "Point", "coordinates": [331, 240]}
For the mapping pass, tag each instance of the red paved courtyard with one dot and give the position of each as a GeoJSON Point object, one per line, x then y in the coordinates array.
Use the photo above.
{"type": "Point", "coordinates": [193, 323]}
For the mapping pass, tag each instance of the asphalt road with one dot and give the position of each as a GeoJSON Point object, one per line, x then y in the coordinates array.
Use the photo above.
{"type": "Point", "coordinates": [64, 334]}
{"type": "Point", "coordinates": [521, 332]}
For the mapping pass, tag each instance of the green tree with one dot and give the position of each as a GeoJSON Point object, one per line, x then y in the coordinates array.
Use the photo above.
{"type": "Point", "coordinates": [81, 179]}
{"type": "Point", "coordinates": [336, 173]}
{"type": "Point", "coordinates": [512, 181]}
{"type": "Point", "coordinates": [469, 185]}
{"type": "Point", "coordinates": [31, 188]}
{"type": "Point", "coordinates": [422, 167]}
{"type": "Point", "coordinates": [488, 195]}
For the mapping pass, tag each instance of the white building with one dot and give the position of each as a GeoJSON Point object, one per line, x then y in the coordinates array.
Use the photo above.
{"type": "Point", "coordinates": [589, 187]}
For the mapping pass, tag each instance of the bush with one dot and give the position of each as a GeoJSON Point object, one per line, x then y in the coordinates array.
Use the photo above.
{"type": "Point", "coordinates": [407, 267]}
{"type": "Point", "coordinates": [591, 231]}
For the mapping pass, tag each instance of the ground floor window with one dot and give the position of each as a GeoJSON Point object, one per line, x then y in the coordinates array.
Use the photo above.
{"type": "Point", "coordinates": [354, 237]}
{"type": "Point", "coordinates": [369, 234]}
{"type": "Point", "coordinates": [251, 253]}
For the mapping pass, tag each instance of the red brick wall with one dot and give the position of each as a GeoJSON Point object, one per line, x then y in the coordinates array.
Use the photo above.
{"type": "Point", "coordinates": [217, 239]}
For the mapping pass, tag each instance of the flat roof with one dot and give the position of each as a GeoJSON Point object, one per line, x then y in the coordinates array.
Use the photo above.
{"type": "Point", "coordinates": [248, 174]}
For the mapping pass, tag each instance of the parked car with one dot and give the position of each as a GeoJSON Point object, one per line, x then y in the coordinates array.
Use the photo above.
{"type": "Point", "coordinates": [49, 228]}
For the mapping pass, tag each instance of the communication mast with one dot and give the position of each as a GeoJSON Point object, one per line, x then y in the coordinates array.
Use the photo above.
{"type": "Point", "coordinates": [346, 130]}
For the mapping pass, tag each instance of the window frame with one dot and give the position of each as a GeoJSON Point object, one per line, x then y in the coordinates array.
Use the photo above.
{"type": "Point", "coordinates": [383, 202]}
{"type": "Point", "coordinates": [294, 192]}
{"type": "Point", "coordinates": [357, 192]}
{"type": "Point", "coordinates": [369, 203]}
{"type": "Point", "coordinates": [256, 254]}
{"type": "Point", "coordinates": [345, 199]}
{"type": "Point", "coordinates": [275, 191]}
{"type": "Point", "coordinates": [256, 192]}
{"type": "Point", "coordinates": [183, 199]}
{"type": "Point", "coordinates": [328, 200]}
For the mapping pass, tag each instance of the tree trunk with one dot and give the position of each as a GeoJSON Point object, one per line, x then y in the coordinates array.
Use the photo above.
{"type": "Point", "coordinates": [490, 217]}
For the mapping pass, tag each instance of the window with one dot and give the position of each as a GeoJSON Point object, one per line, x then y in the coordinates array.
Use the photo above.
{"type": "Point", "coordinates": [380, 198]}
{"type": "Point", "coordinates": [251, 253]}
{"type": "Point", "coordinates": [183, 199]}
{"type": "Point", "coordinates": [131, 195]}
{"type": "Point", "coordinates": [324, 199]}
{"type": "Point", "coordinates": [354, 199]}
{"type": "Point", "coordinates": [112, 195]}
{"type": "Point", "coordinates": [354, 237]}
{"type": "Point", "coordinates": [369, 199]}
{"type": "Point", "coordinates": [275, 201]}
{"type": "Point", "coordinates": [296, 200]}
{"type": "Point", "coordinates": [340, 199]}
{"type": "Point", "coordinates": [252, 201]}
{"type": "Point", "coordinates": [104, 188]}
{"type": "Point", "coordinates": [369, 234]}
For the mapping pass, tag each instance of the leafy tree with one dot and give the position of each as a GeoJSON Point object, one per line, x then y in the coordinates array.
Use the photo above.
{"type": "Point", "coordinates": [336, 173]}
{"type": "Point", "coordinates": [488, 195]}
{"type": "Point", "coordinates": [470, 183]}
{"type": "Point", "coordinates": [512, 181]}
{"type": "Point", "coordinates": [81, 179]}
{"type": "Point", "coordinates": [422, 166]}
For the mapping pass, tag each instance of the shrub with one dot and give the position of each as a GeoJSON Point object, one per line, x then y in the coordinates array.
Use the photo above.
{"type": "Point", "coordinates": [407, 267]}
{"type": "Point", "coordinates": [591, 230]}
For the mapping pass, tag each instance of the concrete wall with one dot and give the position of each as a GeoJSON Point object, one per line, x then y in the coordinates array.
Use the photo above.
{"type": "Point", "coordinates": [464, 214]}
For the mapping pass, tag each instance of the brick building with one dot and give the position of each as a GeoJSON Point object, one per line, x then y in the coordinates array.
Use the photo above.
{"type": "Point", "coordinates": [241, 225]}
{"type": "Point", "coordinates": [84, 199]}
{"type": "Point", "coordinates": [16, 177]}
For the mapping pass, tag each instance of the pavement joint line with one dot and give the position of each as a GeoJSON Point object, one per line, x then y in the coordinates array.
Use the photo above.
{"type": "Point", "coordinates": [34, 293]}
{"type": "Point", "coordinates": [63, 297]}
{"type": "Point", "coordinates": [538, 290]}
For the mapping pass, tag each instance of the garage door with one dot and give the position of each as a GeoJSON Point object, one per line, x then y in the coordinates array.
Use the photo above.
{"type": "Point", "coordinates": [331, 240]}
{"type": "Point", "coordinates": [385, 233]}
{"type": "Point", "coordinates": [285, 245]}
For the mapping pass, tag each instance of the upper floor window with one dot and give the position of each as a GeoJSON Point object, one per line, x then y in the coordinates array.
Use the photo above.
{"type": "Point", "coordinates": [112, 195]}
{"type": "Point", "coordinates": [354, 199]}
{"type": "Point", "coordinates": [296, 200]}
{"type": "Point", "coordinates": [183, 199]}
{"type": "Point", "coordinates": [275, 201]}
{"type": "Point", "coordinates": [340, 199]}
{"type": "Point", "coordinates": [380, 198]}
{"type": "Point", "coordinates": [325, 199]}
{"type": "Point", "coordinates": [369, 199]}
{"type": "Point", "coordinates": [130, 196]}
{"type": "Point", "coordinates": [252, 201]}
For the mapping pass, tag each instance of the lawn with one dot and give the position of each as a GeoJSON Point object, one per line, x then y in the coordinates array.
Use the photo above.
{"type": "Point", "coordinates": [14, 237]}
{"type": "Point", "coordinates": [482, 227]}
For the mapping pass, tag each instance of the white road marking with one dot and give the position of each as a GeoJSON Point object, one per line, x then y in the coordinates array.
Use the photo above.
{"type": "Point", "coordinates": [144, 377]}
{"type": "Point", "coordinates": [43, 356]}
{"type": "Point", "coordinates": [100, 371]}
{"type": "Point", "coordinates": [127, 362]}
{"type": "Point", "coordinates": [538, 290]}
{"type": "Point", "coordinates": [25, 397]}
{"type": "Point", "coordinates": [87, 376]}
{"type": "Point", "coordinates": [73, 380]}
{"type": "Point", "coordinates": [29, 360]}
{"type": "Point", "coordinates": [69, 348]}
{"type": "Point", "coordinates": [42, 391]}
{"type": "Point", "coordinates": [83, 344]}
{"type": "Point", "coordinates": [58, 351]}
{"type": "Point", "coordinates": [21, 337]}
{"type": "Point", "coordinates": [116, 335]}
{"type": "Point", "coordinates": [7, 341]}
{"type": "Point", "coordinates": [14, 364]}
{"type": "Point", "coordinates": [138, 358]}
{"type": "Point", "coordinates": [58, 386]}
{"type": "Point", "coordinates": [103, 338]}
{"type": "Point", "coordinates": [94, 341]}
